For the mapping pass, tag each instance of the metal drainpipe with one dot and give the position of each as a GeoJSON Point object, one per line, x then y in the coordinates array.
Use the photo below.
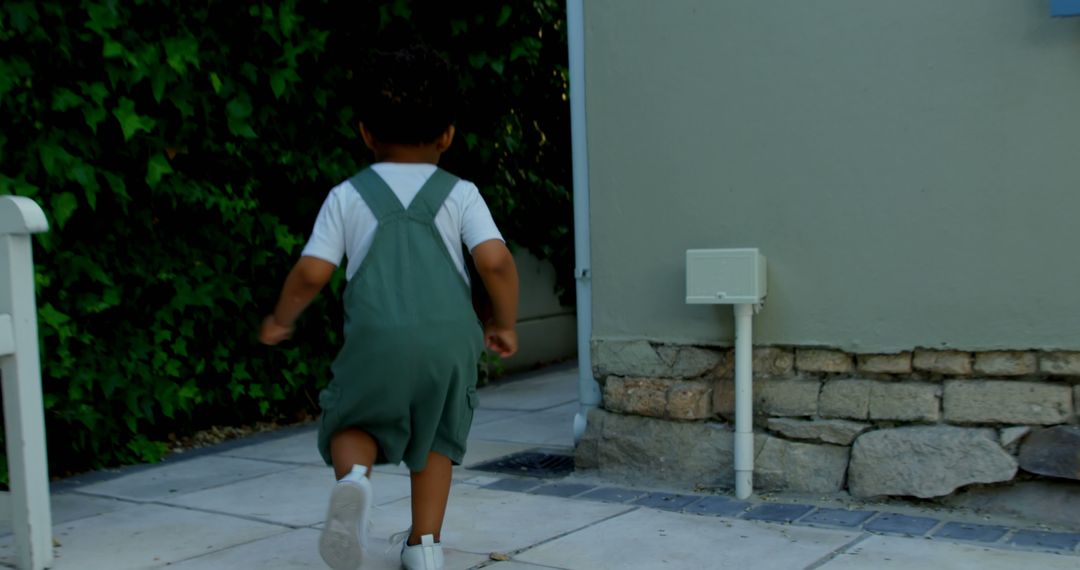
{"type": "Point", "coordinates": [588, 389]}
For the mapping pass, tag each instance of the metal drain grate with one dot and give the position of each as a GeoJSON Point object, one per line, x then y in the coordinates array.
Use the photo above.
{"type": "Point", "coordinates": [530, 464]}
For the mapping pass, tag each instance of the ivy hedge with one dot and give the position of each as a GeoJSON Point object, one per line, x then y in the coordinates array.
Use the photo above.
{"type": "Point", "coordinates": [181, 151]}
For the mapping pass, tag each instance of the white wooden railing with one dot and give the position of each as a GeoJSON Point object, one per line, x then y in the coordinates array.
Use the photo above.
{"type": "Point", "coordinates": [20, 369]}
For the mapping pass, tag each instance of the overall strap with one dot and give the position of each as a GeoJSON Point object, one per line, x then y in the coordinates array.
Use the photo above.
{"type": "Point", "coordinates": [376, 194]}
{"type": "Point", "coordinates": [432, 194]}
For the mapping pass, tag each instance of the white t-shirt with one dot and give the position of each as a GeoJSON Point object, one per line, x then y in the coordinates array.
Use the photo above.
{"type": "Point", "coordinates": [346, 225]}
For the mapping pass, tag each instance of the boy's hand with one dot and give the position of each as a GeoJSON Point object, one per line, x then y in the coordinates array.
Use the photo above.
{"type": "Point", "coordinates": [273, 333]}
{"type": "Point", "coordinates": [501, 341]}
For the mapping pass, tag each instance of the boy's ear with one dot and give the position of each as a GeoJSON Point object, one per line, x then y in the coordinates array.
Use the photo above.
{"type": "Point", "coordinates": [369, 139]}
{"type": "Point", "coordinates": [443, 142]}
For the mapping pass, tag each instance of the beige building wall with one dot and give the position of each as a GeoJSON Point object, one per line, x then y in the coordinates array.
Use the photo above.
{"type": "Point", "coordinates": [910, 169]}
{"type": "Point", "coordinates": [547, 330]}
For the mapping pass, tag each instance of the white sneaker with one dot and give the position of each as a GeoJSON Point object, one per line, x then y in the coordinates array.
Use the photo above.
{"type": "Point", "coordinates": [345, 533]}
{"type": "Point", "coordinates": [427, 555]}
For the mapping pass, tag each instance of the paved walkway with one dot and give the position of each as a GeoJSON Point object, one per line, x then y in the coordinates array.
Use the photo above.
{"type": "Point", "coordinates": [258, 504]}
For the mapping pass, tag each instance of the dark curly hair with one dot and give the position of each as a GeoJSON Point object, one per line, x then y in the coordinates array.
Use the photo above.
{"type": "Point", "coordinates": [407, 96]}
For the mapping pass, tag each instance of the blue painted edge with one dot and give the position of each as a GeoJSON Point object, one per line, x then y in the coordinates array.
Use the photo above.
{"type": "Point", "coordinates": [1062, 8]}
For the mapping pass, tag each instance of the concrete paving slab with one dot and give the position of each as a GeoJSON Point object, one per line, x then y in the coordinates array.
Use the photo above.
{"type": "Point", "coordinates": [482, 521]}
{"type": "Point", "coordinates": [650, 539]}
{"type": "Point", "coordinates": [300, 448]}
{"type": "Point", "coordinates": [510, 484]}
{"type": "Point", "coordinates": [569, 408]}
{"type": "Point", "coordinates": [971, 531]}
{"type": "Point", "coordinates": [66, 507]}
{"type": "Point", "coordinates": [178, 478]}
{"type": "Point", "coordinates": [614, 495]}
{"type": "Point", "coordinates": [562, 489]}
{"type": "Point", "coordinates": [892, 552]}
{"type": "Point", "coordinates": [298, 550]}
{"type": "Point", "coordinates": [482, 416]}
{"type": "Point", "coordinates": [515, 565]}
{"type": "Point", "coordinates": [532, 392]}
{"type": "Point", "coordinates": [537, 428]}
{"type": "Point", "coordinates": [297, 497]}
{"type": "Point", "coordinates": [145, 536]}
{"type": "Point", "coordinates": [480, 451]}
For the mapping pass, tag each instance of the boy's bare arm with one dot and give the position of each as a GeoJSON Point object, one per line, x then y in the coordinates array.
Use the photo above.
{"type": "Point", "coordinates": [496, 267]}
{"type": "Point", "coordinates": [304, 282]}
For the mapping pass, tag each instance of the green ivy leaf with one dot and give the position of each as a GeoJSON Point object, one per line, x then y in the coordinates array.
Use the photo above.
{"type": "Point", "coordinates": [63, 207]}
{"type": "Point", "coordinates": [52, 317]}
{"type": "Point", "coordinates": [130, 121]}
{"type": "Point", "coordinates": [182, 51]}
{"type": "Point", "coordinates": [156, 168]}
{"type": "Point", "coordinates": [84, 174]}
{"type": "Point", "coordinates": [504, 16]}
{"type": "Point", "coordinates": [22, 14]}
{"type": "Point", "coordinates": [287, 19]}
{"type": "Point", "coordinates": [215, 82]}
{"type": "Point", "coordinates": [65, 99]}
{"type": "Point", "coordinates": [102, 18]}
{"type": "Point", "coordinates": [238, 110]}
{"type": "Point", "coordinates": [277, 83]}
{"type": "Point", "coordinates": [280, 79]}
{"type": "Point", "coordinates": [112, 49]}
{"type": "Point", "coordinates": [159, 75]}
{"type": "Point", "coordinates": [117, 184]}
{"type": "Point", "coordinates": [54, 158]}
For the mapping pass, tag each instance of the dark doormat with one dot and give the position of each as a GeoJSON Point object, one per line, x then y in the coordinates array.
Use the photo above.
{"type": "Point", "coordinates": [530, 464]}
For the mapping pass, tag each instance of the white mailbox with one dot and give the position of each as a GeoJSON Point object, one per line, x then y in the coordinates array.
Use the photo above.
{"type": "Point", "coordinates": [725, 276]}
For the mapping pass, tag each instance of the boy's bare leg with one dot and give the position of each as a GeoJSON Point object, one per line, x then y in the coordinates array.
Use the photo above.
{"type": "Point", "coordinates": [430, 492]}
{"type": "Point", "coordinates": [351, 447]}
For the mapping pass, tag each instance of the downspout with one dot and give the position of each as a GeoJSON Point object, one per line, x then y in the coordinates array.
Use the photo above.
{"type": "Point", "coordinates": [588, 389]}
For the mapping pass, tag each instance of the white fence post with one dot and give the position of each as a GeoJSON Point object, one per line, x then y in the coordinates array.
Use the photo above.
{"type": "Point", "coordinates": [20, 367]}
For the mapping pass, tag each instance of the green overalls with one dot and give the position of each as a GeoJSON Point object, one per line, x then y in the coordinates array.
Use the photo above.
{"type": "Point", "coordinates": [407, 371]}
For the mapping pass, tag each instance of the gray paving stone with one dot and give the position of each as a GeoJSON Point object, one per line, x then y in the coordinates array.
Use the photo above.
{"type": "Point", "coordinates": [837, 517]}
{"type": "Point", "coordinates": [666, 501]}
{"type": "Point", "coordinates": [971, 531]}
{"type": "Point", "coordinates": [562, 489]}
{"type": "Point", "coordinates": [519, 485]}
{"type": "Point", "coordinates": [718, 507]}
{"type": "Point", "coordinates": [645, 539]}
{"type": "Point", "coordinates": [147, 537]}
{"type": "Point", "coordinates": [614, 495]}
{"type": "Point", "coordinates": [777, 512]}
{"type": "Point", "coordinates": [175, 479]}
{"type": "Point", "coordinates": [893, 523]}
{"type": "Point", "coordinates": [1039, 539]}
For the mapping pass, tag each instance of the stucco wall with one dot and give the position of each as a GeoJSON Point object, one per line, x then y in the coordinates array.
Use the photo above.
{"type": "Point", "coordinates": [910, 169]}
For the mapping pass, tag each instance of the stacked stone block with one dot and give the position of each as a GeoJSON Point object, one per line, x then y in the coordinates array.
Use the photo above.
{"type": "Point", "coordinates": [919, 423]}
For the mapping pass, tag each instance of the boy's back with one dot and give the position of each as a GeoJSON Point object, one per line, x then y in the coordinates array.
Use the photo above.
{"type": "Point", "coordinates": [346, 225]}
{"type": "Point", "coordinates": [404, 383]}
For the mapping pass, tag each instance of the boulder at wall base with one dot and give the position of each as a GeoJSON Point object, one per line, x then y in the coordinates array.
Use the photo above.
{"type": "Point", "coordinates": [799, 466]}
{"type": "Point", "coordinates": [930, 461]}
{"type": "Point", "coordinates": [1054, 452]}
{"type": "Point", "coordinates": [649, 450]}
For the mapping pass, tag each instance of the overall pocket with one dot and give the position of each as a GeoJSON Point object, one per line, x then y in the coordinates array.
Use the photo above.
{"type": "Point", "coordinates": [472, 401]}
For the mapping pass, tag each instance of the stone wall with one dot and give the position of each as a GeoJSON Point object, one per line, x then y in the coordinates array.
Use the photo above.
{"type": "Point", "coordinates": [922, 423]}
